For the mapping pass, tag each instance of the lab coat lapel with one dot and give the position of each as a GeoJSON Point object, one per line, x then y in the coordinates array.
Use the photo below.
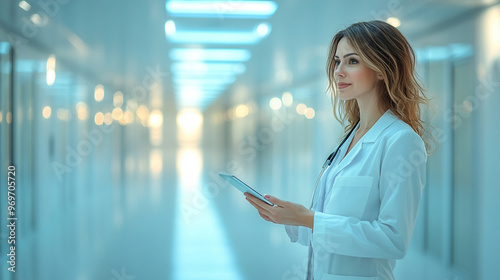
{"type": "Point", "coordinates": [349, 157]}
{"type": "Point", "coordinates": [370, 137]}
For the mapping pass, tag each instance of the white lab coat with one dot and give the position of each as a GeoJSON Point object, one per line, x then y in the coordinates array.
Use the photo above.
{"type": "Point", "coordinates": [366, 204]}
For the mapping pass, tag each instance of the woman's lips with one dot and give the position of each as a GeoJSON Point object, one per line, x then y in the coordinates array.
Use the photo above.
{"type": "Point", "coordinates": [343, 85]}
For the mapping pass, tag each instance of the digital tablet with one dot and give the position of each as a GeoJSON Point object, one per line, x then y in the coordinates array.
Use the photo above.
{"type": "Point", "coordinates": [237, 183]}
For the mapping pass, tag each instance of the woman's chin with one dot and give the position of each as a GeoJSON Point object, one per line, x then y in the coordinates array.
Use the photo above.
{"type": "Point", "coordinates": [345, 97]}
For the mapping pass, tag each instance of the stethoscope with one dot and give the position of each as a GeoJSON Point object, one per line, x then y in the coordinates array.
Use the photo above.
{"type": "Point", "coordinates": [329, 161]}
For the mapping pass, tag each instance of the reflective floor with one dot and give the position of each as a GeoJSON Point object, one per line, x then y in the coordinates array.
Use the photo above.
{"type": "Point", "coordinates": [172, 227]}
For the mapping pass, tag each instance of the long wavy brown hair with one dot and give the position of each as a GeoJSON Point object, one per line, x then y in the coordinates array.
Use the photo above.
{"type": "Point", "coordinates": [385, 50]}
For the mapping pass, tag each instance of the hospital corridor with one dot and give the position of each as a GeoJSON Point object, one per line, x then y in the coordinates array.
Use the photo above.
{"type": "Point", "coordinates": [116, 118]}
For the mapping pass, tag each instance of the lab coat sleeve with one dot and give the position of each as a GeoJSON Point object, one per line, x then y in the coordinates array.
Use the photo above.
{"type": "Point", "coordinates": [402, 178]}
{"type": "Point", "coordinates": [298, 234]}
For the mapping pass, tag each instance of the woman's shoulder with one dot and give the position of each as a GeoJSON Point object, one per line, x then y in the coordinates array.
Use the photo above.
{"type": "Point", "coordinates": [399, 132]}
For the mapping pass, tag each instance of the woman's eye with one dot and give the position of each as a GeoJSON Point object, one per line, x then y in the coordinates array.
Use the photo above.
{"type": "Point", "coordinates": [353, 61]}
{"type": "Point", "coordinates": [337, 62]}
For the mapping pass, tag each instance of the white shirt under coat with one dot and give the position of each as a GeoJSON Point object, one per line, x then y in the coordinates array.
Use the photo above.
{"type": "Point", "coordinates": [366, 204]}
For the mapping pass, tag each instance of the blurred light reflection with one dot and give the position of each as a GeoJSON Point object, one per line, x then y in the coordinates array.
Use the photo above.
{"type": "Point", "coordinates": [301, 109]}
{"type": "Point", "coordinates": [24, 5]}
{"type": "Point", "coordinates": [156, 162]}
{"type": "Point", "coordinates": [275, 103]}
{"type": "Point", "coordinates": [99, 118]}
{"type": "Point", "coordinates": [99, 93]}
{"type": "Point", "coordinates": [47, 111]}
{"type": "Point", "coordinates": [189, 167]}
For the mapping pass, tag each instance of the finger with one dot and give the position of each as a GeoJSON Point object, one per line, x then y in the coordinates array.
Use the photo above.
{"type": "Point", "coordinates": [259, 202]}
{"type": "Point", "coordinates": [265, 217]}
{"type": "Point", "coordinates": [275, 200]}
{"type": "Point", "coordinates": [258, 206]}
{"type": "Point", "coordinates": [253, 204]}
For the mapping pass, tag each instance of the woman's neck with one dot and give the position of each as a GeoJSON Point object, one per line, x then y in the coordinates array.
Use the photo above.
{"type": "Point", "coordinates": [369, 113]}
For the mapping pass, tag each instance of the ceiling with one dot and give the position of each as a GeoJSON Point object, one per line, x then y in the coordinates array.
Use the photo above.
{"type": "Point", "coordinates": [121, 43]}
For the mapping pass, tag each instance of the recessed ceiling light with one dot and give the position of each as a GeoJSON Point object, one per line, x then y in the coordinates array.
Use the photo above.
{"type": "Point", "coordinates": [239, 55]}
{"type": "Point", "coordinates": [229, 9]}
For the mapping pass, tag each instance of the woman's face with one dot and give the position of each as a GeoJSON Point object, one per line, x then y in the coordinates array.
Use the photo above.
{"type": "Point", "coordinates": [354, 79]}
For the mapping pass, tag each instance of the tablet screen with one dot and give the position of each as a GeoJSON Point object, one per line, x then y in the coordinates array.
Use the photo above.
{"type": "Point", "coordinates": [240, 185]}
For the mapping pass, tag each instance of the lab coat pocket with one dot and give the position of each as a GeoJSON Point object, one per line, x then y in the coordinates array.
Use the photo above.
{"type": "Point", "coordinates": [344, 277]}
{"type": "Point", "coordinates": [348, 196]}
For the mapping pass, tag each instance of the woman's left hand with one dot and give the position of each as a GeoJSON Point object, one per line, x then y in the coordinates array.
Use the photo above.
{"type": "Point", "coordinates": [283, 212]}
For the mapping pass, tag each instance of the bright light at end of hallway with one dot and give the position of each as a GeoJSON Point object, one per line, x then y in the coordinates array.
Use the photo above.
{"type": "Point", "coordinates": [394, 21]}
{"type": "Point", "coordinates": [189, 127]}
{"type": "Point", "coordinates": [189, 166]}
{"type": "Point", "coordinates": [189, 120]}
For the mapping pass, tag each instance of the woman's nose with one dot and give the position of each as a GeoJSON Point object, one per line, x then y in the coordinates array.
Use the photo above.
{"type": "Point", "coordinates": [339, 72]}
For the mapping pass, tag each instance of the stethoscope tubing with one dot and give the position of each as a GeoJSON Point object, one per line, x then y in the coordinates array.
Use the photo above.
{"type": "Point", "coordinates": [329, 161]}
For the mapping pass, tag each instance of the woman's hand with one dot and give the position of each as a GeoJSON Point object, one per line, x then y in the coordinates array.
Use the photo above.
{"type": "Point", "coordinates": [283, 212]}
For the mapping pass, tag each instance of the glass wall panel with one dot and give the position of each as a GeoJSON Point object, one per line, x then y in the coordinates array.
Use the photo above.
{"type": "Point", "coordinates": [464, 223]}
{"type": "Point", "coordinates": [6, 143]}
{"type": "Point", "coordinates": [435, 185]}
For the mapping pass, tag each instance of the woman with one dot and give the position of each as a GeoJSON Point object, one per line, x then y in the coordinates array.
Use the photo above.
{"type": "Point", "coordinates": [366, 202]}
